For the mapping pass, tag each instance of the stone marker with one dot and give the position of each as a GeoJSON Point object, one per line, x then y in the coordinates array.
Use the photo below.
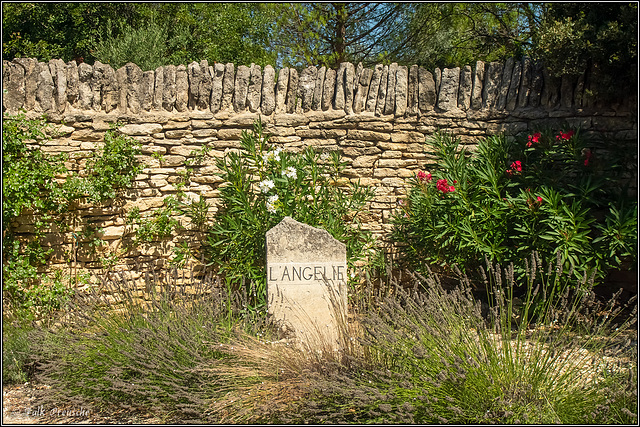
{"type": "Point", "coordinates": [306, 277]}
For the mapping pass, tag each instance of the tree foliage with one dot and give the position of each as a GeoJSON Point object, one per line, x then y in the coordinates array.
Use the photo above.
{"type": "Point", "coordinates": [149, 34]}
{"type": "Point", "coordinates": [330, 33]}
{"type": "Point", "coordinates": [601, 36]}
{"type": "Point", "coordinates": [457, 34]}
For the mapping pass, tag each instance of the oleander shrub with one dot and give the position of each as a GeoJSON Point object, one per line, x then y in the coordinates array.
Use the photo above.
{"type": "Point", "coordinates": [264, 183]}
{"type": "Point", "coordinates": [553, 192]}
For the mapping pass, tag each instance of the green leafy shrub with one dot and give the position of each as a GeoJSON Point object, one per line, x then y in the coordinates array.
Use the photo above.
{"type": "Point", "coordinates": [553, 194]}
{"type": "Point", "coordinates": [262, 185]}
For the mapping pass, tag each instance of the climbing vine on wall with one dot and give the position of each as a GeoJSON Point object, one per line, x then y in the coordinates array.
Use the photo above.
{"type": "Point", "coordinates": [40, 184]}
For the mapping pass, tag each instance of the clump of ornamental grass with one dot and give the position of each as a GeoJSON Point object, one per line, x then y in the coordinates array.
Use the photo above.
{"type": "Point", "coordinates": [160, 350]}
{"type": "Point", "coordinates": [430, 355]}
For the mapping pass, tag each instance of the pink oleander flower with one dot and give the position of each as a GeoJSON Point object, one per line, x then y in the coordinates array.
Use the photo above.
{"type": "Point", "coordinates": [515, 167]}
{"type": "Point", "coordinates": [422, 176]}
{"type": "Point", "coordinates": [539, 199]}
{"type": "Point", "coordinates": [565, 136]}
{"type": "Point", "coordinates": [534, 139]}
{"type": "Point", "coordinates": [444, 186]}
{"type": "Point", "coordinates": [588, 154]}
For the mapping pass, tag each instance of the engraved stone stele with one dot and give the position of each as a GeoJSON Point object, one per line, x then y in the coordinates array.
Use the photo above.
{"type": "Point", "coordinates": [306, 281]}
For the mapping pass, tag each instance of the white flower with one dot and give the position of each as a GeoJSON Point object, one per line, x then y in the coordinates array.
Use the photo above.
{"type": "Point", "coordinates": [290, 172]}
{"type": "Point", "coordinates": [272, 155]}
{"type": "Point", "coordinates": [266, 185]}
{"type": "Point", "coordinates": [271, 201]}
{"type": "Point", "coordinates": [324, 156]}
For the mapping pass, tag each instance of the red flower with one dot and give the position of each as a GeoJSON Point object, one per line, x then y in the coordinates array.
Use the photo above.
{"type": "Point", "coordinates": [533, 139]}
{"type": "Point", "coordinates": [539, 199]}
{"type": "Point", "coordinates": [588, 154]}
{"type": "Point", "coordinates": [565, 136]}
{"type": "Point", "coordinates": [444, 186]}
{"type": "Point", "coordinates": [424, 176]}
{"type": "Point", "coordinates": [515, 167]}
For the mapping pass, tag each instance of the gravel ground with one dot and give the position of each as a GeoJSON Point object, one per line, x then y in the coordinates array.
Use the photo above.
{"type": "Point", "coordinates": [19, 406]}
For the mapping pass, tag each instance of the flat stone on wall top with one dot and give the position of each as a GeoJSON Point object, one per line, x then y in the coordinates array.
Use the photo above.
{"type": "Point", "coordinates": [394, 89]}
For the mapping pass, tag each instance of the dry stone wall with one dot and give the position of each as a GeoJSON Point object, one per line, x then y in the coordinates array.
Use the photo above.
{"type": "Point", "coordinates": [377, 117]}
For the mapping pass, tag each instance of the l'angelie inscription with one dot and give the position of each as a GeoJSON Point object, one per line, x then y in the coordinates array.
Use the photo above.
{"type": "Point", "coordinates": [305, 273]}
{"type": "Point", "coordinates": [306, 280]}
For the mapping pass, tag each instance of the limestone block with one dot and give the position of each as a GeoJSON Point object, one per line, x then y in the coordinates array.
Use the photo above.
{"type": "Point", "coordinates": [133, 87]}
{"type": "Point", "coordinates": [401, 91]}
{"type": "Point", "coordinates": [169, 87]}
{"type": "Point", "coordinates": [412, 91]}
{"type": "Point", "coordinates": [45, 88]}
{"type": "Point", "coordinates": [182, 88]}
{"type": "Point", "coordinates": [217, 75]}
{"type": "Point", "coordinates": [230, 134]}
{"type": "Point", "coordinates": [503, 89]}
{"type": "Point", "coordinates": [466, 86]}
{"type": "Point", "coordinates": [382, 91]}
{"type": "Point", "coordinates": [281, 90]}
{"type": "Point", "coordinates": [364, 161]}
{"type": "Point", "coordinates": [550, 96]}
{"type": "Point", "coordinates": [377, 126]}
{"type": "Point", "coordinates": [205, 86]}
{"type": "Point", "coordinates": [493, 79]}
{"type": "Point", "coordinates": [241, 88]}
{"type": "Point", "coordinates": [255, 88]}
{"type": "Point", "coordinates": [426, 90]}
{"type": "Point", "coordinates": [537, 82]}
{"type": "Point", "coordinates": [268, 102]}
{"type": "Point", "coordinates": [143, 129]}
{"type": "Point", "coordinates": [340, 96]}
{"type": "Point", "coordinates": [476, 91]}
{"type": "Point", "coordinates": [407, 137]}
{"type": "Point", "coordinates": [389, 105]}
{"type": "Point", "coordinates": [121, 77]}
{"type": "Point", "coordinates": [151, 149]}
{"type": "Point", "coordinates": [59, 76]}
{"type": "Point", "coordinates": [158, 88]}
{"type": "Point", "coordinates": [290, 120]}
{"type": "Point", "coordinates": [194, 74]}
{"type": "Point", "coordinates": [449, 85]}
{"type": "Point", "coordinates": [73, 82]}
{"type": "Point", "coordinates": [566, 91]}
{"type": "Point", "coordinates": [31, 72]}
{"type": "Point", "coordinates": [525, 83]}
{"type": "Point", "coordinates": [512, 96]}
{"type": "Point", "coordinates": [316, 104]}
{"type": "Point", "coordinates": [147, 90]}
{"type": "Point", "coordinates": [227, 87]}
{"type": "Point", "coordinates": [113, 232]}
{"type": "Point", "coordinates": [306, 87]}
{"type": "Point", "coordinates": [367, 135]}
{"type": "Point", "coordinates": [292, 91]}
{"type": "Point", "coordinates": [349, 87]}
{"type": "Point", "coordinates": [372, 94]}
{"type": "Point", "coordinates": [204, 133]}
{"type": "Point", "coordinates": [87, 135]}
{"type": "Point", "coordinates": [328, 90]}
{"type": "Point", "coordinates": [13, 84]}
